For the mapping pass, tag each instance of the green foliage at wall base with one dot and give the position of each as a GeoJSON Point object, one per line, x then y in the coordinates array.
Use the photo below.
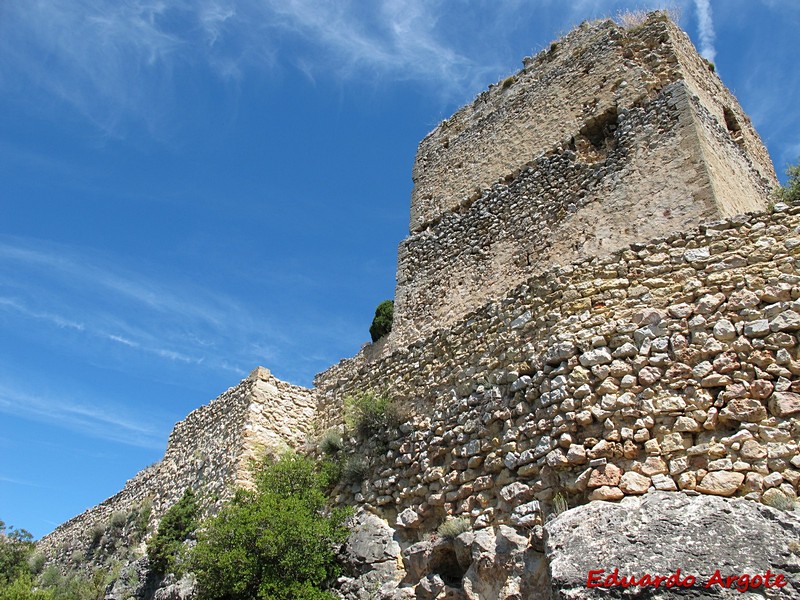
{"type": "Point", "coordinates": [273, 544]}
{"type": "Point", "coordinates": [178, 523]}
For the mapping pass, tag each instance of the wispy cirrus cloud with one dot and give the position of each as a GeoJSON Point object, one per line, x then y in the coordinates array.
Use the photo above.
{"type": "Point", "coordinates": [86, 302]}
{"type": "Point", "coordinates": [705, 24]}
{"type": "Point", "coordinates": [100, 420]}
{"type": "Point", "coordinates": [113, 60]}
{"type": "Point", "coordinates": [22, 482]}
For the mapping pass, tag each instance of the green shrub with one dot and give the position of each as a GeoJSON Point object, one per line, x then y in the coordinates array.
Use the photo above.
{"type": "Point", "coordinates": [143, 516]}
{"type": "Point", "coordinates": [369, 413]}
{"type": "Point", "coordinates": [453, 527]}
{"type": "Point", "coordinates": [178, 523]}
{"type": "Point", "coordinates": [382, 322]}
{"type": "Point", "coordinates": [36, 562]}
{"type": "Point", "coordinates": [118, 519]}
{"type": "Point", "coordinates": [16, 545]}
{"type": "Point", "coordinates": [21, 588]}
{"type": "Point", "coordinates": [791, 191]}
{"type": "Point", "coordinates": [354, 469]}
{"type": "Point", "coordinates": [276, 543]}
{"type": "Point", "coordinates": [96, 533]}
{"type": "Point", "coordinates": [331, 442]}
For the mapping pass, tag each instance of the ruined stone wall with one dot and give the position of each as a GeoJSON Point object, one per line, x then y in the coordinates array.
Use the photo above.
{"type": "Point", "coordinates": [211, 451]}
{"type": "Point", "coordinates": [609, 137]}
{"type": "Point", "coordinates": [671, 364]}
{"type": "Point", "coordinates": [596, 67]}
{"type": "Point", "coordinates": [563, 206]}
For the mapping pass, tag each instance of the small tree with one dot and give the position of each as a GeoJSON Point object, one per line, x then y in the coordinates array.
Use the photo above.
{"type": "Point", "coordinates": [15, 547]}
{"type": "Point", "coordinates": [274, 544]}
{"type": "Point", "coordinates": [178, 523]}
{"type": "Point", "coordinates": [791, 191]}
{"type": "Point", "coordinates": [382, 323]}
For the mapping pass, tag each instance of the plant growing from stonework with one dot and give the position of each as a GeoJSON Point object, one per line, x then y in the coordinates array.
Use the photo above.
{"type": "Point", "coordinates": [354, 469]}
{"type": "Point", "coordinates": [452, 527]}
{"type": "Point", "coordinates": [559, 503]}
{"type": "Point", "coordinates": [331, 442]}
{"type": "Point", "coordinates": [176, 526]}
{"type": "Point", "coordinates": [382, 322]}
{"type": "Point", "coordinates": [370, 413]}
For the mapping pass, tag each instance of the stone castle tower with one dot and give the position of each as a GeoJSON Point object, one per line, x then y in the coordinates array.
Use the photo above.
{"type": "Point", "coordinates": [609, 137]}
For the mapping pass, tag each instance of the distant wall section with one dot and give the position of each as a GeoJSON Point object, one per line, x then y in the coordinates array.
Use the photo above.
{"type": "Point", "coordinates": [212, 452]}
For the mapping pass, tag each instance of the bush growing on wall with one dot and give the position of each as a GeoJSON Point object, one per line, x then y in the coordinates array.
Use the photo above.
{"type": "Point", "coordinates": [382, 322]}
{"type": "Point", "coordinates": [791, 191]}
{"type": "Point", "coordinates": [369, 413]}
{"type": "Point", "coordinates": [178, 523]}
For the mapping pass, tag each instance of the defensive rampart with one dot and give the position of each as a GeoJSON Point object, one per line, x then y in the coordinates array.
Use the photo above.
{"type": "Point", "coordinates": [668, 365]}
{"type": "Point", "coordinates": [211, 452]}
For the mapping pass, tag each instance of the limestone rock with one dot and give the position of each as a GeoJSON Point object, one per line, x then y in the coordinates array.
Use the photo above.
{"type": "Point", "coordinates": [370, 557]}
{"type": "Point", "coordinates": [720, 483]}
{"type": "Point", "coordinates": [782, 404]}
{"type": "Point", "coordinates": [661, 532]}
{"type": "Point", "coordinates": [634, 483]}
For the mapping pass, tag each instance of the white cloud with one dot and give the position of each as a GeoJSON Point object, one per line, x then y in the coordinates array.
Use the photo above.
{"type": "Point", "coordinates": [99, 420]}
{"type": "Point", "coordinates": [97, 301]}
{"type": "Point", "coordinates": [705, 26]}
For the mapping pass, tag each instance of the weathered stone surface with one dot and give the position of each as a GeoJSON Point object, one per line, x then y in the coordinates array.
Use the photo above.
{"type": "Point", "coordinates": [748, 410]}
{"type": "Point", "coordinates": [184, 588]}
{"type": "Point", "coordinates": [661, 532]}
{"type": "Point", "coordinates": [608, 474]}
{"type": "Point", "coordinates": [371, 541]}
{"type": "Point", "coordinates": [782, 404]}
{"type": "Point", "coordinates": [634, 483]}
{"type": "Point", "coordinates": [720, 483]}
{"type": "Point", "coordinates": [408, 519]}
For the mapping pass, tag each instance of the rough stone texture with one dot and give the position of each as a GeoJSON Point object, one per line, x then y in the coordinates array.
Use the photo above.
{"type": "Point", "coordinates": [211, 451]}
{"type": "Point", "coordinates": [493, 404]}
{"type": "Point", "coordinates": [371, 557]}
{"type": "Point", "coordinates": [611, 137]}
{"type": "Point", "coordinates": [660, 532]}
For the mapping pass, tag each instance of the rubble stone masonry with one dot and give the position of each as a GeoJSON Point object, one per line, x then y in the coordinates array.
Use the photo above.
{"type": "Point", "coordinates": [671, 364]}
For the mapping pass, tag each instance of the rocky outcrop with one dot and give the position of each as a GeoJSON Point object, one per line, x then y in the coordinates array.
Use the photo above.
{"type": "Point", "coordinates": [673, 545]}
{"type": "Point", "coordinates": [705, 537]}
{"type": "Point", "coordinates": [371, 557]}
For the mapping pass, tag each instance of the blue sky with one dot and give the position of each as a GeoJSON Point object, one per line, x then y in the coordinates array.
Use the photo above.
{"type": "Point", "coordinates": [192, 188]}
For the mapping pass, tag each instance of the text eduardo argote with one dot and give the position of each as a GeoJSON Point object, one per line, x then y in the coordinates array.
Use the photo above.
{"type": "Point", "coordinates": [599, 578]}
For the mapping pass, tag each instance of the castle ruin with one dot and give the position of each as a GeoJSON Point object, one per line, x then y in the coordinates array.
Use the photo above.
{"type": "Point", "coordinates": [609, 137]}
{"type": "Point", "coordinates": [594, 303]}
